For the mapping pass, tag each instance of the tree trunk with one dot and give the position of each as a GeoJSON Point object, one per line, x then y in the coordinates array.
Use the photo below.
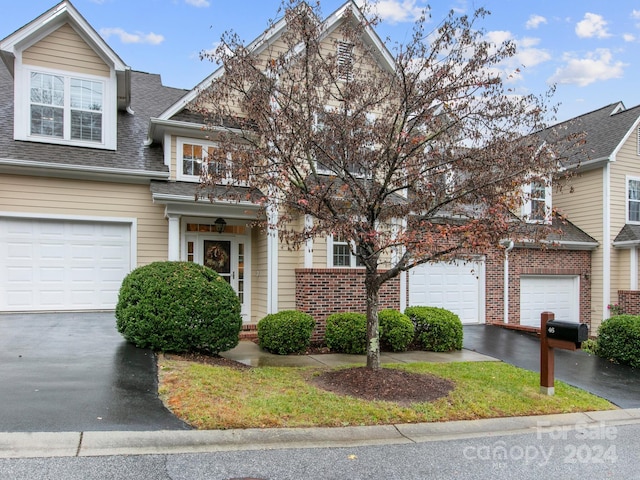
{"type": "Point", "coordinates": [373, 334]}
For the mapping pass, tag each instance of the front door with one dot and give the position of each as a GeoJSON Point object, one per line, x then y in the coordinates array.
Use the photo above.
{"type": "Point", "coordinates": [225, 255]}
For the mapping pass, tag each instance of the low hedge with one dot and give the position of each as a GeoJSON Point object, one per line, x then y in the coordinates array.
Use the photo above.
{"type": "Point", "coordinates": [396, 331]}
{"type": "Point", "coordinates": [285, 332]}
{"type": "Point", "coordinates": [619, 340]}
{"type": "Point", "coordinates": [347, 332]}
{"type": "Point", "coordinates": [178, 307]}
{"type": "Point", "coordinates": [436, 329]}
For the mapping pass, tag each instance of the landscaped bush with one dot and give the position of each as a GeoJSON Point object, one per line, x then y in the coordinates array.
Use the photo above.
{"type": "Point", "coordinates": [178, 307]}
{"type": "Point", "coordinates": [436, 329]}
{"type": "Point", "coordinates": [619, 339]}
{"type": "Point", "coordinates": [347, 332]}
{"type": "Point", "coordinates": [285, 332]}
{"type": "Point", "coordinates": [396, 331]}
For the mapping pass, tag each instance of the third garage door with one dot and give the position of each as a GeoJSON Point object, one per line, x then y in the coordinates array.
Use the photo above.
{"type": "Point", "coordinates": [549, 293]}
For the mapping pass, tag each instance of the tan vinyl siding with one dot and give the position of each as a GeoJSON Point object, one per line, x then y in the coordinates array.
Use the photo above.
{"type": "Point", "coordinates": [288, 260]}
{"type": "Point", "coordinates": [173, 162]}
{"type": "Point", "coordinates": [320, 252]}
{"type": "Point", "coordinates": [584, 208]}
{"type": "Point", "coordinates": [258, 275]}
{"type": "Point", "coordinates": [64, 49]}
{"type": "Point", "coordinates": [51, 196]}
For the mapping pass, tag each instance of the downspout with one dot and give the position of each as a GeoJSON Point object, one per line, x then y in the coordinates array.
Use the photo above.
{"type": "Point", "coordinates": [508, 244]}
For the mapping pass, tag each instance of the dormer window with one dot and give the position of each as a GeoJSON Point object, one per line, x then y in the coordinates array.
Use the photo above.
{"type": "Point", "coordinates": [537, 206]}
{"type": "Point", "coordinates": [196, 159]}
{"type": "Point", "coordinates": [65, 107]}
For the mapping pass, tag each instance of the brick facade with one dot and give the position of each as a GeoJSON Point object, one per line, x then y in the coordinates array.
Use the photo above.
{"type": "Point", "coordinates": [532, 261]}
{"type": "Point", "coordinates": [629, 301]}
{"type": "Point", "coordinates": [323, 291]}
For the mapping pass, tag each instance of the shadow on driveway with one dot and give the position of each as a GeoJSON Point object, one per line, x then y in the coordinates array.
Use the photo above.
{"type": "Point", "coordinates": [620, 384]}
{"type": "Point", "coordinates": [74, 372]}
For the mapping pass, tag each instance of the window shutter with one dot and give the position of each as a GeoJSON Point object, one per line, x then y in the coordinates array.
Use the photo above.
{"type": "Point", "coordinates": [345, 61]}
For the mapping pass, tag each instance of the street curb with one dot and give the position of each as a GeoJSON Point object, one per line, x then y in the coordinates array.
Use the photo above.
{"type": "Point", "coordinates": [99, 443]}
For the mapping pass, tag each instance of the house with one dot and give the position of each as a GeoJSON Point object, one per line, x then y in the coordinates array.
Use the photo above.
{"type": "Point", "coordinates": [603, 199]}
{"type": "Point", "coordinates": [99, 166]}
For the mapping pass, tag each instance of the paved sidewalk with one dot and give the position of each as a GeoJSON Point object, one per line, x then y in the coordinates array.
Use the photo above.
{"type": "Point", "coordinates": [249, 353]}
{"type": "Point", "coordinates": [88, 444]}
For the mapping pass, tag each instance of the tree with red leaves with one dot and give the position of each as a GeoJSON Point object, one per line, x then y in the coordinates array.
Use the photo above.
{"type": "Point", "coordinates": [410, 157]}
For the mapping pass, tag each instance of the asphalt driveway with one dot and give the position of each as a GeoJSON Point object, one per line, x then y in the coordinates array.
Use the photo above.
{"type": "Point", "coordinates": [620, 384]}
{"type": "Point", "coordinates": [74, 372]}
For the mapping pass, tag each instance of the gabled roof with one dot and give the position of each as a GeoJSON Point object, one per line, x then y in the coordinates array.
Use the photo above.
{"type": "Point", "coordinates": [629, 236]}
{"type": "Point", "coordinates": [606, 130]}
{"type": "Point", "coordinates": [51, 20]}
{"type": "Point", "coordinates": [262, 42]}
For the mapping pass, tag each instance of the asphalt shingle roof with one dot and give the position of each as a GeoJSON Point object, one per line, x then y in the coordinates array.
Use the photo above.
{"type": "Point", "coordinates": [629, 233]}
{"type": "Point", "coordinates": [604, 131]}
{"type": "Point", "coordinates": [149, 98]}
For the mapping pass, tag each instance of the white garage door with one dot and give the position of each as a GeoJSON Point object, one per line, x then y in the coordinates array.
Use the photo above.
{"type": "Point", "coordinates": [62, 265]}
{"type": "Point", "coordinates": [458, 287]}
{"type": "Point", "coordinates": [557, 294]}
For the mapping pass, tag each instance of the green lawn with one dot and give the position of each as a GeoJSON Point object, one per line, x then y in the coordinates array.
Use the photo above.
{"type": "Point", "coordinates": [213, 397]}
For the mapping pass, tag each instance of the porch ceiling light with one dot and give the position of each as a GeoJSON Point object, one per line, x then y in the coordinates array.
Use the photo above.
{"type": "Point", "coordinates": [220, 224]}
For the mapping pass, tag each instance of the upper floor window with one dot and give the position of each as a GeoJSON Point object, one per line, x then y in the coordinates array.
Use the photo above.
{"type": "Point", "coordinates": [633, 200]}
{"type": "Point", "coordinates": [537, 206]}
{"type": "Point", "coordinates": [65, 108]}
{"type": "Point", "coordinates": [195, 159]}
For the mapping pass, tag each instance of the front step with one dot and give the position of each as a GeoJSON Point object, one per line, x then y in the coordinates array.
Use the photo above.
{"type": "Point", "coordinates": [249, 331]}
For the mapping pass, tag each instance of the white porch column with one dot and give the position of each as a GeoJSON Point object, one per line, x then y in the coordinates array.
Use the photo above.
{"type": "Point", "coordinates": [174, 237]}
{"type": "Point", "coordinates": [272, 260]}
{"type": "Point", "coordinates": [633, 267]}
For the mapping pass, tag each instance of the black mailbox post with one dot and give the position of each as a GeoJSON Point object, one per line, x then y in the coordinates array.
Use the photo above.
{"type": "Point", "coordinates": [569, 331]}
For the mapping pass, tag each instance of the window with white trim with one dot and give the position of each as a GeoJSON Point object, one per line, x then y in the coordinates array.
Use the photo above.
{"type": "Point", "coordinates": [537, 206]}
{"type": "Point", "coordinates": [195, 159]}
{"type": "Point", "coordinates": [638, 142]}
{"type": "Point", "coordinates": [341, 253]}
{"type": "Point", "coordinates": [62, 107]}
{"type": "Point", "coordinates": [633, 200]}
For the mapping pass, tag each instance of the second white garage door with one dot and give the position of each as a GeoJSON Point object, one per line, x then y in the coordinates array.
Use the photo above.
{"type": "Point", "coordinates": [458, 287]}
{"type": "Point", "coordinates": [62, 265]}
{"type": "Point", "coordinates": [557, 294]}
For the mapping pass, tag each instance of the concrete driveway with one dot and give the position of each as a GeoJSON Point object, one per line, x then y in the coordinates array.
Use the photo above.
{"type": "Point", "coordinates": [74, 372]}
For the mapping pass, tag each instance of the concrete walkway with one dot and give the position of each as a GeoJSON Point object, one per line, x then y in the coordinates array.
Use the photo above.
{"type": "Point", "coordinates": [249, 353]}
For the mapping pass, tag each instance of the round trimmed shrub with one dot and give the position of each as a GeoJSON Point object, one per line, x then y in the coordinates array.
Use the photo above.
{"type": "Point", "coordinates": [285, 332]}
{"type": "Point", "coordinates": [436, 329]}
{"type": "Point", "coordinates": [347, 332]}
{"type": "Point", "coordinates": [178, 307]}
{"type": "Point", "coordinates": [619, 340]}
{"type": "Point", "coordinates": [396, 330]}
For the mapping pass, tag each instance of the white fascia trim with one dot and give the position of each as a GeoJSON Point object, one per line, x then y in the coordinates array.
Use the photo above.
{"type": "Point", "coordinates": [132, 221]}
{"type": "Point", "coordinates": [84, 171]}
{"type": "Point", "coordinates": [626, 136]}
{"type": "Point", "coordinates": [53, 19]}
{"type": "Point", "coordinates": [171, 198]}
{"type": "Point", "coordinates": [572, 244]}
{"type": "Point", "coordinates": [333, 20]}
{"type": "Point", "coordinates": [627, 244]}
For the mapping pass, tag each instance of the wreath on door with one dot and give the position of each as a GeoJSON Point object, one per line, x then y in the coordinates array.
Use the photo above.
{"type": "Point", "coordinates": [216, 257]}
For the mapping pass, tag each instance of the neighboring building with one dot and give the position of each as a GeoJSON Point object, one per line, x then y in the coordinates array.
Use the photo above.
{"type": "Point", "coordinates": [99, 166]}
{"type": "Point", "coordinates": [603, 198]}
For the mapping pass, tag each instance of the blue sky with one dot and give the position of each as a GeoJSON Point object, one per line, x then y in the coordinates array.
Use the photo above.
{"type": "Point", "coordinates": [589, 48]}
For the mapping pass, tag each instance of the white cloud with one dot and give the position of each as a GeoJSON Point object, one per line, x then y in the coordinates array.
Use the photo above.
{"type": "Point", "coordinates": [535, 21]}
{"type": "Point", "coordinates": [596, 66]}
{"type": "Point", "coordinates": [138, 37]}
{"type": "Point", "coordinates": [628, 37]}
{"type": "Point", "coordinates": [592, 25]}
{"type": "Point", "coordinates": [197, 3]}
{"type": "Point", "coordinates": [526, 54]}
{"type": "Point", "coordinates": [635, 14]}
{"type": "Point", "coordinates": [397, 11]}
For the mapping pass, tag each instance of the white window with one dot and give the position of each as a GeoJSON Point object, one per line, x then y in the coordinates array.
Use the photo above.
{"type": "Point", "coordinates": [59, 107]}
{"type": "Point", "coordinates": [537, 206]}
{"type": "Point", "coordinates": [633, 200]}
{"type": "Point", "coordinates": [344, 59]}
{"type": "Point", "coordinates": [196, 159]}
{"type": "Point", "coordinates": [340, 253]}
